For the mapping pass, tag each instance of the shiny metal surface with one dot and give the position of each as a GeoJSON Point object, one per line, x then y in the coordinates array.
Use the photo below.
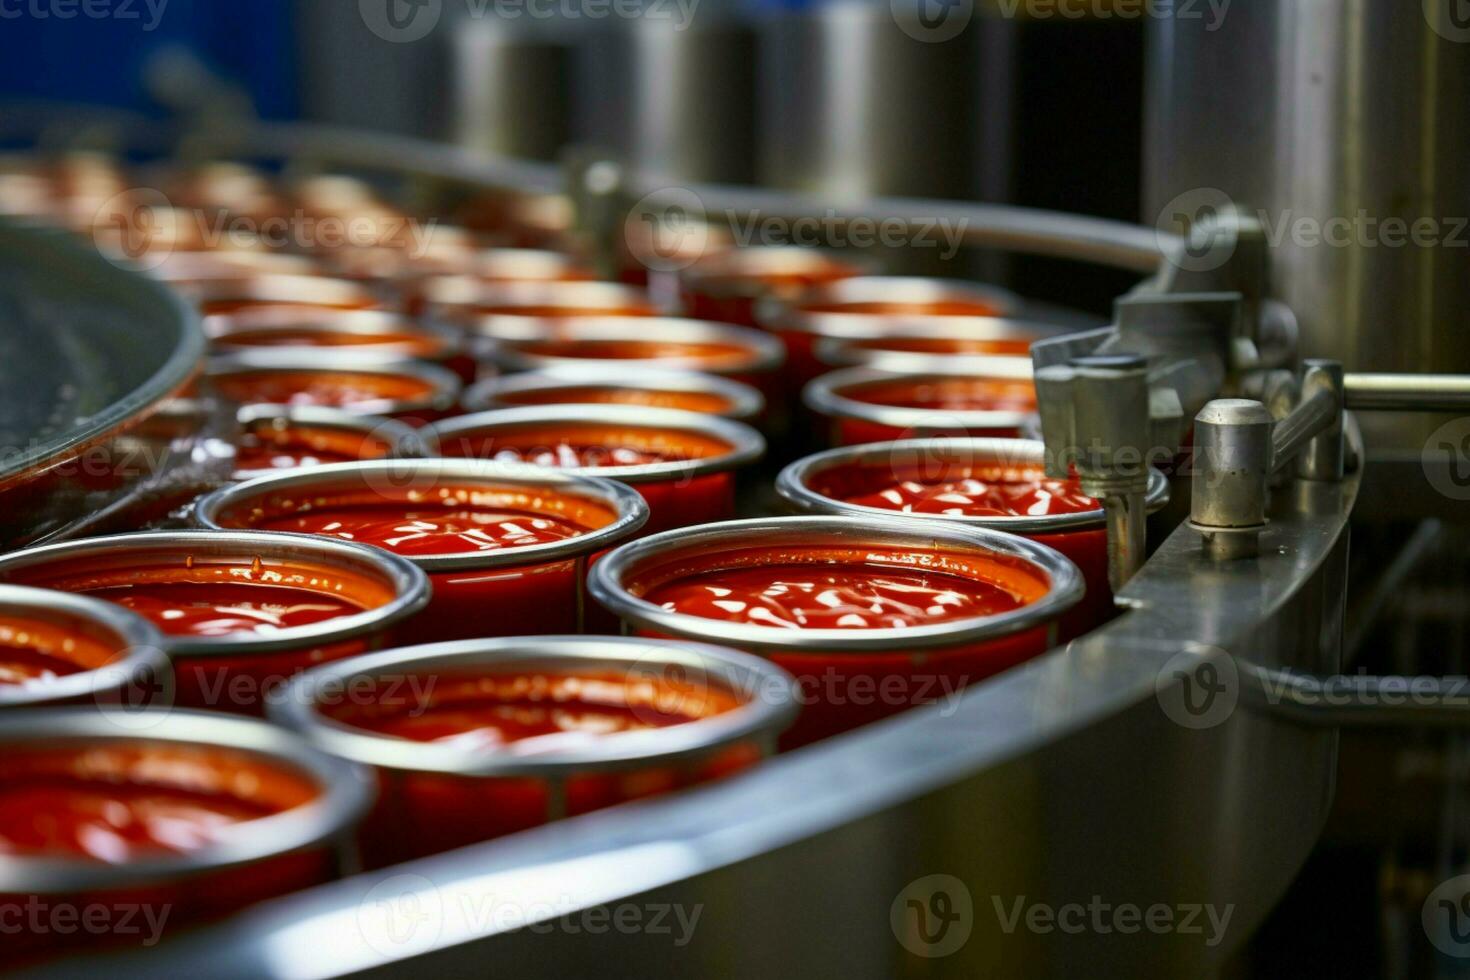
{"type": "Point", "coordinates": [1329, 121]}
{"type": "Point", "coordinates": [86, 350]}
{"type": "Point", "coordinates": [345, 794]}
{"type": "Point", "coordinates": [767, 701]}
{"type": "Point", "coordinates": [745, 403]}
{"type": "Point", "coordinates": [1042, 758]}
{"type": "Point", "coordinates": [1232, 475]}
{"type": "Point", "coordinates": [1407, 392]}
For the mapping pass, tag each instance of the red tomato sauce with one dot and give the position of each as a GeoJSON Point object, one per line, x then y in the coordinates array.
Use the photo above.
{"type": "Point", "coordinates": [225, 609]}
{"type": "Point", "coordinates": [824, 588]}
{"type": "Point", "coordinates": [574, 445]}
{"type": "Point", "coordinates": [118, 804]}
{"type": "Point", "coordinates": [494, 711]}
{"type": "Point", "coordinates": [946, 345]}
{"type": "Point", "coordinates": [689, 401]}
{"type": "Point", "coordinates": [269, 448]}
{"type": "Point", "coordinates": [712, 354]}
{"type": "Point", "coordinates": [33, 651]}
{"type": "Point", "coordinates": [447, 520]}
{"type": "Point", "coordinates": [405, 344]}
{"type": "Point", "coordinates": [335, 389]}
{"type": "Point", "coordinates": [958, 490]}
{"type": "Point", "coordinates": [900, 308]}
{"type": "Point", "coordinates": [947, 394]}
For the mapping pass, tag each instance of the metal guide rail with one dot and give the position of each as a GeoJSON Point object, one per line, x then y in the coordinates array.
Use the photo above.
{"type": "Point", "coordinates": [1169, 759]}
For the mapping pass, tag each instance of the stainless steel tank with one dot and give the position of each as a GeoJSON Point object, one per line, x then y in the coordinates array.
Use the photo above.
{"type": "Point", "coordinates": [1343, 128]}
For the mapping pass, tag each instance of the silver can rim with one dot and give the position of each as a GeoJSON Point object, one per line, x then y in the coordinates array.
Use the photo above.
{"type": "Point", "coordinates": [824, 396]}
{"type": "Point", "coordinates": [410, 585]}
{"type": "Point", "coordinates": [345, 794]}
{"type": "Point", "coordinates": [793, 482]}
{"type": "Point", "coordinates": [605, 582]}
{"type": "Point", "coordinates": [759, 718]}
{"type": "Point", "coordinates": [627, 504]}
{"type": "Point", "coordinates": [444, 384]}
{"type": "Point", "coordinates": [745, 401]}
{"type": "Point", "coordinates": [746, 444]}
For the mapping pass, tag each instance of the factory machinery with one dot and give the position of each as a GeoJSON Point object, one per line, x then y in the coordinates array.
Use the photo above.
{"type": "Point", "coordinates": [1184, 755]}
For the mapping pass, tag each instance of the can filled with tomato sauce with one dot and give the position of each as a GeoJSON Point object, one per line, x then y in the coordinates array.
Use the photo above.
{"type": "Point", "coordinates": [216, 296]}
{"type": "Point", "coordinates": [487, 308]}
{"type": "Point", "coordinates": [415, 392]}
{"type": "Point", "coordinates": [505, 546]}
{"type": "Point", "coordinates": [726, 285]}
{"type": "Point", "coordinates": [57, 648]}
{"type": "Point", "coordinates": [131, 833]}
{"type": "Point", "coordinates": [464, 285]}
{"type": "Point", "coordinates": [912, 344]}
{"type": "Point", "coordinates": [599, 384]}
{"type": "Point", "coordinates": [869, 306]}
{"type": "Point", "coordinates": [962, 398]}
{"type": "Point", "coordinates": [327, 330]}
{"type": "Point", "coordinates": [481, 738]}
{"type": "Point", "coordinates": [683, 463]}
{"type": "Point", "coordinates": [632, 346]}
{"type": "Point", "coordinates": [872, 616]}
{"type": "Point", "coordinates": [284, 437]}
{"type": "Point", "coordinates": [240, 612]}
{"type": "Point", "coordinates": [1000, 484]}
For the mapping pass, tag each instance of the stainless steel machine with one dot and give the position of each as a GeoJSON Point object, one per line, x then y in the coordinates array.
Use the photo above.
{"type": "Point", "coordinates": [1135, 802]}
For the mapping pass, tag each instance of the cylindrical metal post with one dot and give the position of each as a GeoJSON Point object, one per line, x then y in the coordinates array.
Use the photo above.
{"type": "Point", "coordinates": [1232, 467]}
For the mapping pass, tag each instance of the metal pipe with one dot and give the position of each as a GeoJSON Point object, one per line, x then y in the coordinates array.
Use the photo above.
{"type": "Point", "coordinates": [1127, 536]}
{"type": "Point", "coordinates": [1407, 392]}
{"type": "Point", "coordinates": [1313, 415]}
{"type": "Point", "coordinates": [1359, 701]}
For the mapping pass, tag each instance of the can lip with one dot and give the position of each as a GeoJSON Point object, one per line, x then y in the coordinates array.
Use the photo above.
{"type": "Point", "coordinates": [282, 287]}
{"type": "Point", "coordinates": [739, 272]}
{"type": "Point", "coordinates": [444, 384]}
{"type": "Point", "coordinates": [823, 395]}
{"type": "Point", "coordinates": [745, 402]}
{"type": "Point", "coordinates": [630, 507]}
{"type": "Point", "coordinates": [221, 327]}
{"type": "Point", "coordinates": [345, 792]}
{"type": "Point", "coordinates": [787, 313]}
{"type": "Point", "coordinates": [496, 265]}
{"type": "Point", "coordinates": [770, 703]}
{"type": "Point", "coordinates": [410, 585]}
{"type": "Point", "coordinates": [746, 444]}
{"type": "Point", "coordinates": [607, 576]}
{"type": "Point", "coordinates": [845, 351]}
{"type": "Point", "coordinates": [793, 482]}
{"type": "Point", "coordinates": [570, 294]}
{"type": "Point", "coordinates": [764, 352]}
{"type": "Point", "coordinates": [139, 640]}
{"type": "Point", "coordinates": [403, 440]}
